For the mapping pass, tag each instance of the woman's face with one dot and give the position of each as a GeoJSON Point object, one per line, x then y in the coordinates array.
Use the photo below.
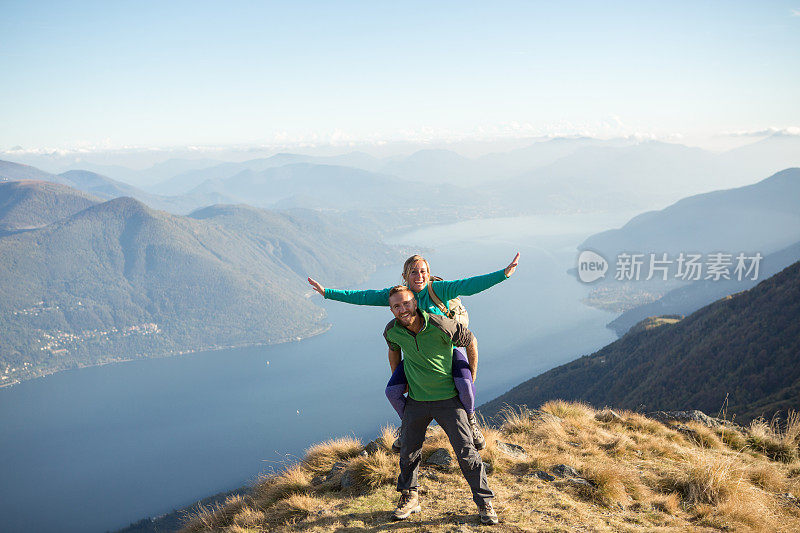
{"type": "Point", "coordinates": [418, 276]}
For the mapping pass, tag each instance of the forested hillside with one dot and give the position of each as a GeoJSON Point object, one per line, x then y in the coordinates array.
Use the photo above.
{"type": "Point", "coordinates": [741, 352]}
{"type": "Point", "coordinates": [119, 280]}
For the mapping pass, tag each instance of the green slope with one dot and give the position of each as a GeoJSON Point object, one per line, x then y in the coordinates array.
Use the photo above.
{"type": "Point", "coordinates": [745, 347]}
{"type": "Point", "coordinates": [119, 280]}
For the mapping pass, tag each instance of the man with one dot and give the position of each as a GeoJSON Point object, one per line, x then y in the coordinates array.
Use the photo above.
{"type": "Point", "coordinates": [426, 342]}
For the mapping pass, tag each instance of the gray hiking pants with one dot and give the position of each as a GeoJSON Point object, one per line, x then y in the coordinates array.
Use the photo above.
{"type": "Point", "coordinates": [452, 417]}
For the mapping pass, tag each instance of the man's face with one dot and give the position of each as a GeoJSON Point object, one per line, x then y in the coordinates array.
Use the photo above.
{"type": "Point", "coordinates": [418, 276]}
{"type": "Point", "coordinates": [404, 307]}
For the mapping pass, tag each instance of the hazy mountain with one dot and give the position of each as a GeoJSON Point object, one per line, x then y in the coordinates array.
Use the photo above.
{"type": "Point", "coordinates": [31, 204]}
{"type": "Point", "coordinates": [16, 171]}
{"type": "Point", "coordinates": [515, 162]}
{"type": "Point", "coordinates": [188, 180]}
{"type": "Point", "coordinates": [763, 217]}
{"type": "Point", "coordinates": [437, 167]}
{"type": "Point", "coordinates": [334, 187]}
{"type": "Point", "coordinates": [120, 280]}
{"type": "Point", "coordinates": [764, 157]}
{"type": "Point", "coordinates": [688, 299]}
{"type": "Point", "coordinates": [99, 185]}
{"type": "Point", "coordinates": [745, 348]}
{"type": "Point", "coordinates": [605, 177]}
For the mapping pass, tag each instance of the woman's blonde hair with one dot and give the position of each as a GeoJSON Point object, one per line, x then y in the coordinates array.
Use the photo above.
{"type": "Point", "coordinates": [410, 263]}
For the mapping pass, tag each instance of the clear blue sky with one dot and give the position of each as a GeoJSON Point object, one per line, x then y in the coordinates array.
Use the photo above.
{"type": "Point", "coordinates": [174, 73]}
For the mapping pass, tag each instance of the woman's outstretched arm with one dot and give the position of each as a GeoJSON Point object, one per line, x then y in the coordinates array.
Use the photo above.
{"type": "Point", "coordinates": [371, 297]}
{"type": "Point", "coordinates": [447, 290]}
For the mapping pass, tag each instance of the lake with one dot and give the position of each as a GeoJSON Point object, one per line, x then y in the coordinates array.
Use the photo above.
{"type": "Point", "coordinates": [98, 448]}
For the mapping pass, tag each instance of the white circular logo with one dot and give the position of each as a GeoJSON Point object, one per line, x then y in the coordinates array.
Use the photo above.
{"type": "Point", "coordinates": [591, 266]}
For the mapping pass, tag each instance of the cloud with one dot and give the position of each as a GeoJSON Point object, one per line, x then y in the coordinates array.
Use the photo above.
{"type": "Point", "coordinates": [791, 131]}
{"type": "Point", "coordinates": [796, 12]}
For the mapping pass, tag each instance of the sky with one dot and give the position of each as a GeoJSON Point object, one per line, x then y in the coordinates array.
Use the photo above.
{"type": "Point", "coordinates": [108, 75]}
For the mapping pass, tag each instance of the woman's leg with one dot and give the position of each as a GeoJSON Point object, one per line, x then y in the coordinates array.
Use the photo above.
{"type": "Point", "coordinates": [396, 389]}
{"type": "Point", "coordinates": [462, 376]}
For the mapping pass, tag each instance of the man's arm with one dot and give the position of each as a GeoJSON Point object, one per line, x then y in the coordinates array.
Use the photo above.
{"type": "Point", "coordinates": [472, 357]}
{"type": "Point", "coordinates": [394, 359]}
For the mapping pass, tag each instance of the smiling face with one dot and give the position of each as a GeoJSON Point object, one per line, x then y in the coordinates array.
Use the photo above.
{"type": "Point", "coordinates": [404, 308]}
{"type": "Point", "coordinates": [417, 275]}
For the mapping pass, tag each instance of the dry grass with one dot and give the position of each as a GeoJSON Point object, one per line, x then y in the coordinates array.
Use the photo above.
{"type": "Point", "coordinates": [638, 476]}
{"type": "Point", "coordinates": [373, 471]}
{"type": "Point", "coordinates": [387, 436]}
{"type": "Point", "coordinates": [669, 504]}
{"type": "Point", "coordinates": [773, 441]}
{"type": "Point", "coordinates": [706, 478]}
{"type": "Point", "coordinates": [294, 479]}
{"type": "Point", "coordinates": [767, 477]}
{"type": "Point", "coordinates": [321, 457]}
{"type": "Point", "coordinates": [732, 438]}
{"type": "Point", "coordinates": [568, 410]}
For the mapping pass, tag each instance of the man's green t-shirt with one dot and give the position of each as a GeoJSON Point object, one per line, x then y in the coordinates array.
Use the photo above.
{"type": "Point", "coordinates": [428, 355]}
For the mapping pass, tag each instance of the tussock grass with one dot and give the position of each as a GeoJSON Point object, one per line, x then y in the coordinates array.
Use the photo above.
{"type": "Point", "coordinates": [568, 410]}
{"type": "Point", "coordinates": [373, 471]}
{"type": "Point", "coordinates": [295, 507]}
{"type": "Point", "coordinates": [773, 441]}
{"type": "Point", "coordinates": [669, 504]}
{"type": "Point", "coordinates": [248, 517]}
{"type": "Point", "coordinates": [294, 479]}
{"type": "Point", "coordinates": [321, 457]}
{"type": "Point", "coordinates": [387, 436]}
{"type": "Point", "coordinates": [609, 484]}
{"type": "Point", "coordinates": [703, 436]}
{"type": "Point", "coordinates": [516, 419]}
{"type": "Point", "coordinates": [638, 475]}
{"type": "Point", "coordinates": [642, 424]}
{"type": "Point", "coordinates": [619, 445]}
{"type": "Point", "coordinates": [206, 518]}
{"type": "Point", "coordinates": [767, 477]}
{"type": "Point", "coordinates": [732, 438]}
{"type": "Point", "coordinates": [707, 479]}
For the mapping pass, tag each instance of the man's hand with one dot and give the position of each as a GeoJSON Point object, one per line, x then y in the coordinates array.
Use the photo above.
{"type": "Point", "coordinates": [321, 290]}
{"type": "Point", "coordinates": [472, 357]}
{"type": "Point", "coordinates": [512, 266]}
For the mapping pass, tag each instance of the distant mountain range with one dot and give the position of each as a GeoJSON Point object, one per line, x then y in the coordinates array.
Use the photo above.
{"type": "Point", "coordinates": [741, 352]}
{"type": "Point", "coordinates": [554, 176]}
{"type": "Point", "coordinates": [761, 217]}
{"type": "Point", "coordinates": [117, 280]}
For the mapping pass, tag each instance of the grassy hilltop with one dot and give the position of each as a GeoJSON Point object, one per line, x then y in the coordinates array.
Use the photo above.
{"type": "Point", "coordinates": [564, 467]}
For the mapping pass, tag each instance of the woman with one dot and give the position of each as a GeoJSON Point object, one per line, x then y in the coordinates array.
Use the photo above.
{"type": "Point", "coordinates": [416, 275]}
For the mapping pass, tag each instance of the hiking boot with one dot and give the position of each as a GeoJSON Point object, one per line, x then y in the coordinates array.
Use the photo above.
{"type": "Point", "coordinates": [477, 436]}
{"type": "Point", "coordinates": [488, 516]}
{"type": "Point", "coordinates": [408, 504]}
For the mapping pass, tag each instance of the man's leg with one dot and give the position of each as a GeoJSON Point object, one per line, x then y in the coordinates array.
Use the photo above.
{"type": "Point", "coordinates": [450, 414]}
{"type": "Point", "coordinates": [415, 421]}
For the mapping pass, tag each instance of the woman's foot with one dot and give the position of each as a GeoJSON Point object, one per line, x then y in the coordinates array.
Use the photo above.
{"type": "Point", "coordinates": [477, 436]}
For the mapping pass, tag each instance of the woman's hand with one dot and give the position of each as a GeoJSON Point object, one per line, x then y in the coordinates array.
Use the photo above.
{"type": "Point", "coordinates": [510, 268]}
{"type": "Point", "coordinates": [321, 290]}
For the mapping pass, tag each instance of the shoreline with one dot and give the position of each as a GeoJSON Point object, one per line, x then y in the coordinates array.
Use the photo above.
{"type": "Point", "coordinates": [214, 348]}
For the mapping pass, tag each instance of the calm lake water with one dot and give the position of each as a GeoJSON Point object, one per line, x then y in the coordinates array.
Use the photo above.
{"type": "Point", "coordinates": [97, 448]}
